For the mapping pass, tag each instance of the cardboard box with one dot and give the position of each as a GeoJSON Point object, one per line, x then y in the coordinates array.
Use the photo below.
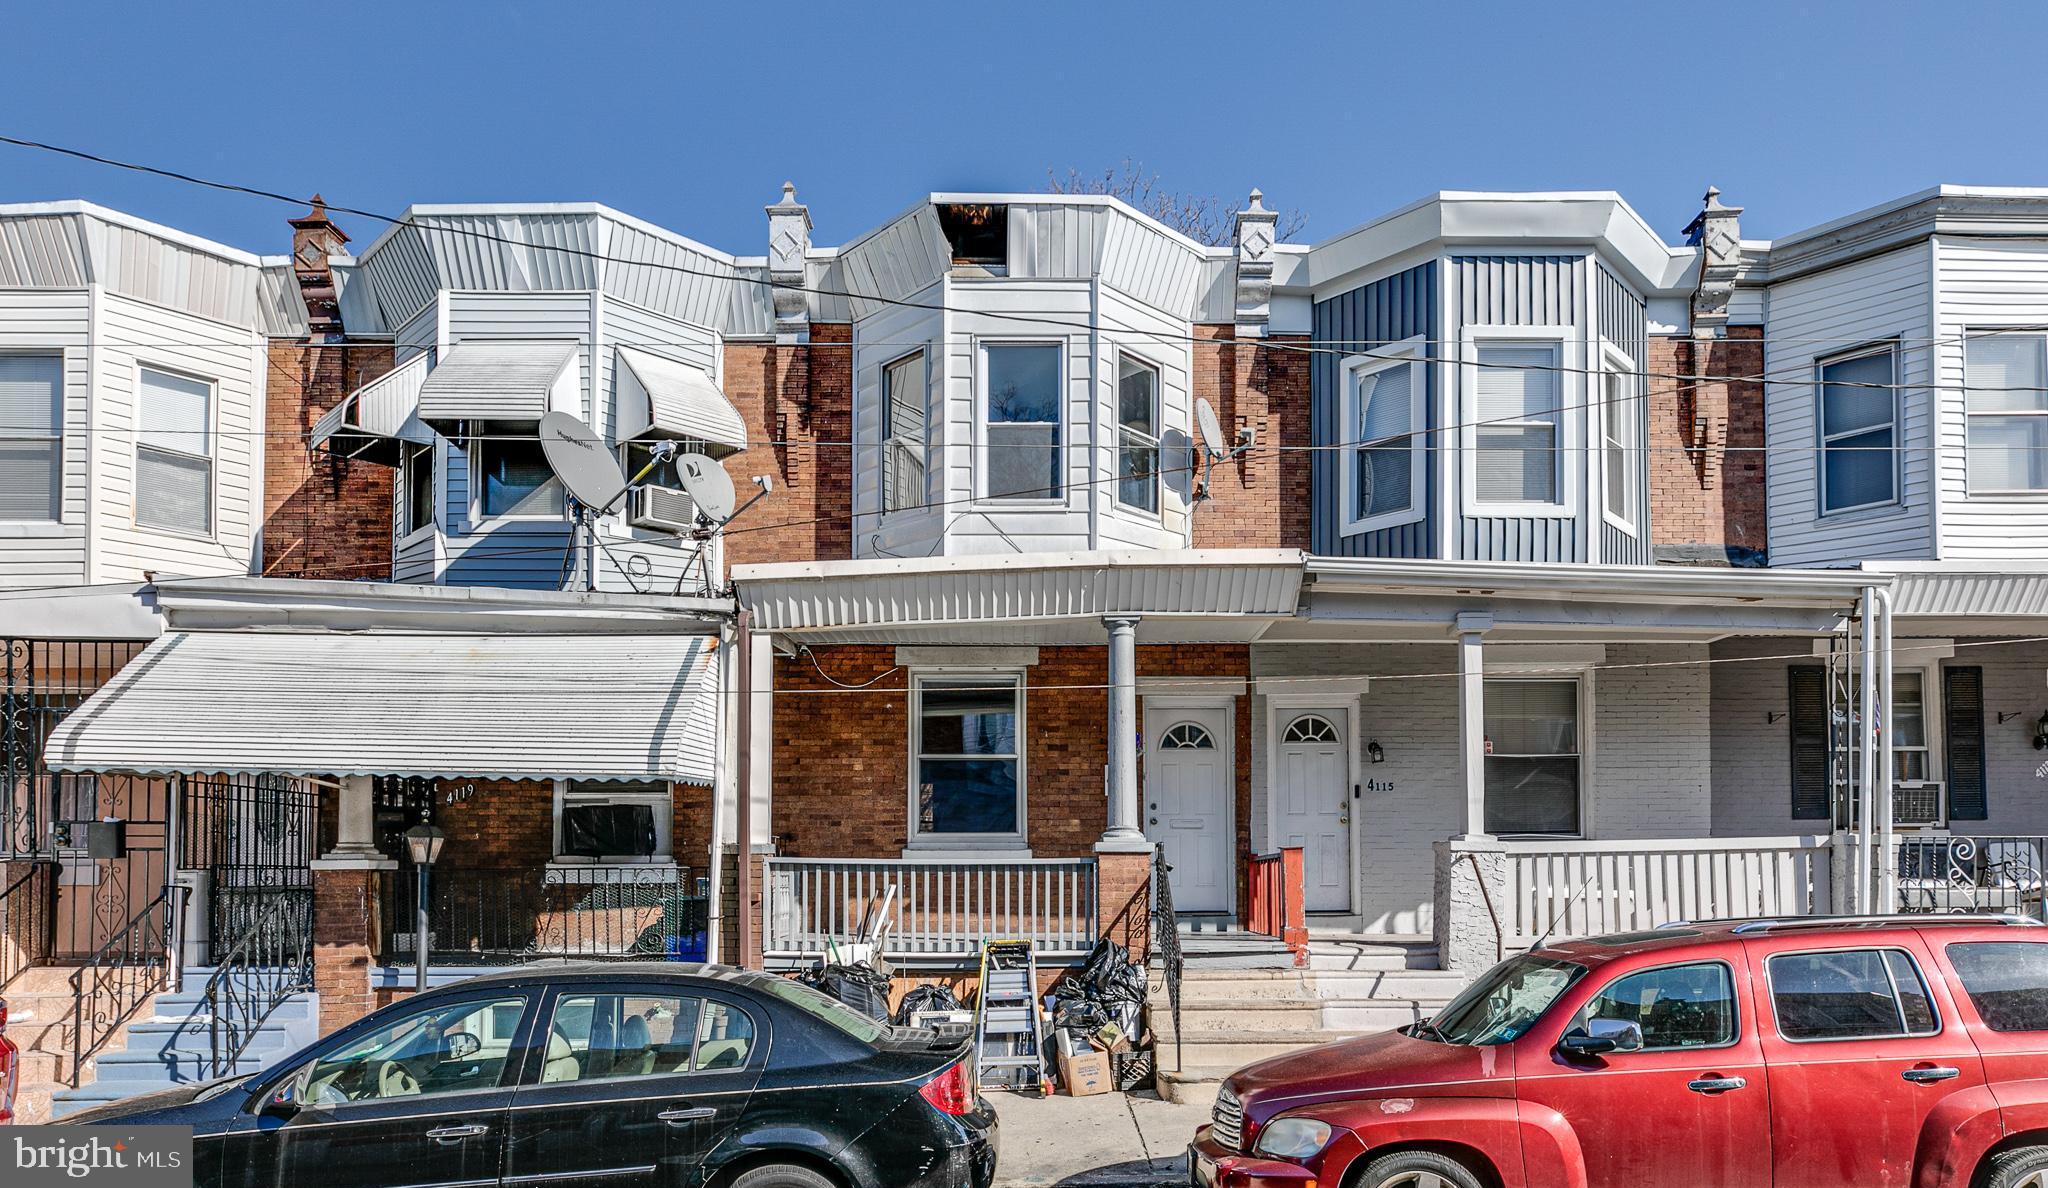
{"type": "Point", "coordinates": [1085, 1074]}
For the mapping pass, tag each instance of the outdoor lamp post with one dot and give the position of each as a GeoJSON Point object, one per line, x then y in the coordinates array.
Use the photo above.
{"type": "Point", "coordinates": [424, 843]}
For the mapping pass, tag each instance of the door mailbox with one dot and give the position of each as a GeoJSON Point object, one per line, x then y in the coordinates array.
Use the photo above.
{"type": "Point", "coordinates": [106, 839]}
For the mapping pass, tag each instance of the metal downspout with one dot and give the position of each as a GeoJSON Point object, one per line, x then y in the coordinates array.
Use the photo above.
{"type": "Point", "coordinates": [1866, 753]}
{"type": "Point", "coordinates": [1887, 866]}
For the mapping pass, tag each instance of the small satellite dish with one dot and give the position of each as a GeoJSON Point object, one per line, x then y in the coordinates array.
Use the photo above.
{"type": "Point", "coordinates": [1213, 443]}
{"type": "Point", "coordinates": [708, 484]}
{"type": "Point", "coordinates": [581, 461]}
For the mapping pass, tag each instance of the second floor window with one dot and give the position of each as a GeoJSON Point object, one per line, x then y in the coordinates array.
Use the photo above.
{"type": "Point", "coordinates": [31, 437]}
{"type": "Point", "coordinates": [1516, 450]}
{"type": "Point", "coordinates": [1383, 410]}
{"type": "Point", "coordinates": [1021, 394]}
{"type": "Point", "coordinates": [517, 480]}
{"type": "Point", "coordinates": [1137, 440]}
{"type": "Point", "coordinates": [2007, 407]}
{"type": "Point", "coordinates": [1620, 450]}
{"type": "Point", "coordinates": [1859, 432]}
{"type": "Point", "coordinates": [903, 401]}
{"type": "Point", "coordinates": [174, 452]}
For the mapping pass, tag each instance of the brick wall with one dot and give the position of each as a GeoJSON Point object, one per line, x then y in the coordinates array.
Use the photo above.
{"type": "Point", "coordinates": [321, 518]}
{"type": "Point", "coordinates": [344, 945]}
{"type": "Point", "coordinates": [1262, 497]}
{"type": "Point", "coordinates": [794, 398]}
{"type": "Point", "coordinates": [509, 825]}
{"type": "Point", "coordinates": [1706, 449]}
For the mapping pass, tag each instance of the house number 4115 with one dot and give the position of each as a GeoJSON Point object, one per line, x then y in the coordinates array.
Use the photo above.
{"type": "Point", "coordinates": [1379, 785]}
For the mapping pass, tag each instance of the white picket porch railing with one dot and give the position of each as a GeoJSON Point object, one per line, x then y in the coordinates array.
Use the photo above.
{"type": "Point", "coordinates": [941, 909]}
{"type": "Point", "coordinates": [1582, 888]}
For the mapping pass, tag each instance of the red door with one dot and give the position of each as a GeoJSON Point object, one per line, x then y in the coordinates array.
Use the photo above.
{"type": "Point", "coordinates": [1861, 1042]}
{"type": "Point", "coordinates": [1688, 1109]}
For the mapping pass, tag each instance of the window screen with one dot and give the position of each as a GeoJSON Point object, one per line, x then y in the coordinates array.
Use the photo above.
{"type": "Point", "coordinates": [2007, 982]}
{"type": "Point", "coordinates": [31, 437]}
{"type": "Point", "coordinates": [1137, 443]}
{"type": "Point", "coordinates": [174, 453]}
{"type": "Point", "coordinates": [1023, 415]}
{"type": "Point", "coordinates": [2006, 377]}
{"type": "Point", "coordinates": [1849, 994]}
{"type": "Point", "coordinates": [608, 830]}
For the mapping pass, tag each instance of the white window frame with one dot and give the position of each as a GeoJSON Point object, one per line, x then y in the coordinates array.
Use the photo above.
{"type": "Point", "coordinates": [1617, 365]}
{"type": "Point", "coordinates": [1411, 353]}
{"type": "Point", "coordinates": [1970, 417]}
{"type": "Point", "coordinates": [1888, 347]}
{"type": "Point", "coordinates": [617, 792]}
{"type": "Point", "coordinates": [434, 470]}
{"type": "Point", "coordinates": [981, 427]}
{"type": "Point", "coordinates": [1934, 720]}
{"type": "Point", "coordinates": [1538, 670]}
{"type": "Point", "coordinates": [891, 442]}
{"type": "Point", "coordinates": [476, 457]}
{"type": "Point", "coordinates": [1157, 438]}
{"type": "Point", "coordinates": [20, 433]}
{"type": "Point", "coordinates": [211, 457]}
{"type": "Point", "coordinates": [1569, 421]}
{"type": "Point", "coordinates": [926, 842]}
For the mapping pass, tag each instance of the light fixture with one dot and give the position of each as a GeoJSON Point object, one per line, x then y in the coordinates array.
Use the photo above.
{"type": "Point", "coordinates": [423, 842]}
{"type": "Point", "coordinates": [1374, 752]}
{"type": "Point", "coordinates": [2041, 732]}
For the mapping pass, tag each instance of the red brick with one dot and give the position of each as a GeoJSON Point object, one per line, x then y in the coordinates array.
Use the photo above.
{"type": "Point", "coordinates": [1706, 461]}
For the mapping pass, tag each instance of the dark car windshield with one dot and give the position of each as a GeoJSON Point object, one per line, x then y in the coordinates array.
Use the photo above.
{"type": "Point", "coordinates": [1505, 1002]}
{"type": "Point", "coordinates": [825, 1008]}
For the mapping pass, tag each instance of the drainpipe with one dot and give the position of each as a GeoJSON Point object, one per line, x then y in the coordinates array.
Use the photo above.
{"type": "Point", "coordinates": [1887, 867]}
{"type": "Point", "coordinates": [1866, 752]}
{"type": "Point", "coordinates": [714, 886]}
{"type": "Point", "coordinates": [743, 808]}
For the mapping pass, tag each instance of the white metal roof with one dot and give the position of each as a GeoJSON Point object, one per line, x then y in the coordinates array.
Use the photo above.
{"type": "Point", "coordinates": [2011, 591]}
{"type": "Point", "coordinates": [335, 703]}
{"type": "Point", "coordinates": [494, 380]}
{"type": "Point", "coordinates": [657, 394]}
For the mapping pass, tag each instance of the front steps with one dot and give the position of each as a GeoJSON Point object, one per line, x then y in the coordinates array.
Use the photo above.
{"type": "Point", "coordinates": [39, 1024]}
{"type": "Point", "coordinates": [1231, 1017]}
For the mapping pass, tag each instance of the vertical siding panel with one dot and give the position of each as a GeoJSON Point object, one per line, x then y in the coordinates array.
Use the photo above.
{"type": "Point", "coordinates": [1386, 311]}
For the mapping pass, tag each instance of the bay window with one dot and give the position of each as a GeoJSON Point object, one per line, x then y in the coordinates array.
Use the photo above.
{"type": "Point", "coordinates": [31, 437]}
{"type": "Point", "coordinates": [174, 452]}
{"type": "Point", "coordinates": [966, 769]}
{"type": "Point", "coordinates": [1137, 442]}
{"type": "Point", "coordinates": [516, 478]}
{"type": "Point", "coordinates": [1620, 444]}
{"type": "Point", "coordinates": [1516, 456]}
{"type": "Point", "coordinates": [2005, 381]}
{"type": "Point", "coordinates": [1859, 430]}
{"type": "Point", "coordinates": [1021, 413]}
{"type": "Point", "coordinates": [1380, 477]}
{"type": "Point", "coordinates": [1533, 768]}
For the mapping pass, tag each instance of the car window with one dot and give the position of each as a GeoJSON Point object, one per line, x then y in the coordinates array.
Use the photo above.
{"type": "Point", "coordinates": [1505, 1002]}
{"type": "Point", "coordinates": [824, 1008]}
{"type": "Point", "coordinates": [1849, 994]}
{"type": "Point", "coordinates": [446, 1048]}
{"type": "Point", "coordinates": [725, 1038]}
{"type": "Point", "coordinates": [2007, 982]}
{"type": "Point", "coordinates": [601, 1035]}
{"type": "Point", "coordinates": [1677, 1006]}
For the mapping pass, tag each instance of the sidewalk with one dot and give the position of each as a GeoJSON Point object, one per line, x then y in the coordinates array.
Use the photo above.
{"type": "Point", "coordinates": [1112, 1139]}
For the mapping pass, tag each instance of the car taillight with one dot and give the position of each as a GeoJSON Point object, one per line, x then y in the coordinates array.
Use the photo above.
{"type": "Point", "coordinates": [10, 1072]}
{"type": "Point", "coordinates": [950, 1092]}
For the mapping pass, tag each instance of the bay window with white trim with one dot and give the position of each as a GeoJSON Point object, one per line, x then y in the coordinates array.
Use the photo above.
{"type": "Point", "coordinates": [967, 760]}
{"type": "Point", "coordinates": [1383, 468]}
{"type": "Point", "coordinates": [31, 438]}
{"type": "Point", "coordinates": [2005, 383]}
{"type": "Point", "coordinates": [1621, 441]}
{"type": "Point", "coordinates": [1858, 417]}
{"type": "Point", "coordinates": [1516, 434]}
{"type": "Point", "coordinates": [1022, 389]}
{"type": "Point", "coordinates": [174, 452]}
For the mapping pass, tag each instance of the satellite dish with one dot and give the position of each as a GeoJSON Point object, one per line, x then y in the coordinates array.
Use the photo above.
{"type": "Point", "coordinates": [581, 461]}
{"type": "Point", "coordinates": [1212, 433]}
{"type": "Point", "coordinates": [708, 484]}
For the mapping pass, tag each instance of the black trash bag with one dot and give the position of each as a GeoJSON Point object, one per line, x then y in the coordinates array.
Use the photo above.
{"type": "Point", "coordinates": [861, 987]}
{"type": "Point", "coordinates": [926, 998]}
{"type": "Point", "coordinates": [1109, 975]}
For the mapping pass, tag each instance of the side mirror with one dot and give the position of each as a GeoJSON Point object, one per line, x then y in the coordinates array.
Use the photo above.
{"type": "Point", "coordinates": [281, 1102]}
{"type": "Point", "coordinates": [1601, 1036]}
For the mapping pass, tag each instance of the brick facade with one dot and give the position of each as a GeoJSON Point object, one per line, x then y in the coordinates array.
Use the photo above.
{"type": "Point", "coordinates": [797, 401]}
{"type": "Point", "coordinates": [322, 517]}
{"type": "Point", "coordinates": [1261, 499]}
{"type": "Point", "coordinates": [1706, 442]}
{"type": "Point", "coordinates": [345, 944]}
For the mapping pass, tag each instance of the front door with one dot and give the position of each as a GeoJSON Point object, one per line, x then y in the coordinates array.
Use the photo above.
{"type": "Point", "coordinates": [1187, 802]}
{"type": "Point", "coordinates": [1313, 795]}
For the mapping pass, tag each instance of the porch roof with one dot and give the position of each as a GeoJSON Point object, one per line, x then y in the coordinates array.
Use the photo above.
{"type": "Point", "coordinates": [1961, 599]}
{"type": "Point", "coordinates": [337, 703]}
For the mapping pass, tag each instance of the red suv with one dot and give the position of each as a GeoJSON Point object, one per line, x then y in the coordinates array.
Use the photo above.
{"type": "Point", "coordinates": [1806, 1052]}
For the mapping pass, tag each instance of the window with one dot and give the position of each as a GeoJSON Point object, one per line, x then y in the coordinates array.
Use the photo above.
{"type": "Point", "coordinates": [1516, 451]}
{"type": "Point", "coordinates": [174, 453]}
{"type": "Point", "coordinates": [517, 480]}
{"type": "Point", "coordinates": [2007, 982]}
{"type": "Point", "coordinates": [904, 392]}
{"type": "Point", "coordinates": [1021, 387]}
{"type": "Point", "coordinates": [1677, 1006]}
{"type": "Point", "coordinates": [31, 437]}
{"type": "Point", "coordinates": [447, 1048]}
{"type": "Point", "coordinates": [725, 1038]}
{"type": "Point", "coordinates": [1382, 480]}
{"type": "Point", "coordinates": [1532, 756]}
{"type": "Point", "coordinates": [1309, 728]}
{"type": "Point", "coordinates": [419, 489]}
{"type": "Point", "coordinates": [1137, 440]}
{"type": "Point", "coordinates": [1505, 1002]}
{"type": "Point", "coordinates": [594, 1036]}
{"type": "Point", "coordinates": [1620, 445]}
{"type": "Point", "coordinates": [1187, 736]}
{"type": "Point", "coordinates": [968, 778]}
{"type": "Point", "coordinates": [1849, 994]}
{"type": "Point", "coordinates": [978, 234]}
{"type": "Point", "coordinates": [2005, 381]}
{"type": "Point", "coordinates": [613, 820]}
{"type": "Point", "coordinates": [1916, 758]}
{"type": "Point", "coordinates": [1858, 431]}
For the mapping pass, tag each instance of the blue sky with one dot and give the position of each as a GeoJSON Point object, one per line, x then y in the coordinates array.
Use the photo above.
{"type": "Point", "coordinates": [692, 115]}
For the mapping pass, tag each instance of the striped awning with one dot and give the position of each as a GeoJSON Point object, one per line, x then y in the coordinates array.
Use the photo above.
{"type": "Point", "coordinates": [661, 396]}
{"type": "Point", "coordinates": [492, 379]}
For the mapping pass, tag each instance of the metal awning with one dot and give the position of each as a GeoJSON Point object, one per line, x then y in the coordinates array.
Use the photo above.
{"type": "Point", "coordinates": [458, 706]}
{"type": "Point", "coordinates": [499, 379]}
{"type": "Point", "coordinates": [373, 423]}
{"type": "Point", "coordinates": [664, 397]}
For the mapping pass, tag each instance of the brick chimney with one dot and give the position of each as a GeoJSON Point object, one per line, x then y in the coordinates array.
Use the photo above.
{"type": "Point", "coordinates": [314, 238]}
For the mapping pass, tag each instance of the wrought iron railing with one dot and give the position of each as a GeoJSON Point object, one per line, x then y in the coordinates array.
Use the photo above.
{"type": "Point", "coordinates": [26, 916]}
{"type": "Point", "coordinates": [122, 974]}
{"type": "Point", "coordinates": [2002, 873]}
{"type": "Point", "coordinates": [40, 682]}
{"type": "Point", "coordinates": [929, 908]}
{"type": "Point", "coordinates": [268, 963]}
{"type": "Point", "coordinates": [594, 912]}
{"type": "Point", "coordinates": [1166, 942]}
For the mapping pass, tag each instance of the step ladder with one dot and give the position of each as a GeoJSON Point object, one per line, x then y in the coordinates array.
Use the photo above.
{"type": "Point", "coordinates": [1008, 1032]}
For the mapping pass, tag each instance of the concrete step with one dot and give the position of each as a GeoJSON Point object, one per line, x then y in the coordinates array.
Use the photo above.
{"type": "Point", "coordinates": [1294, 1018]}
{"type": "Point", "coordinates": [1193, 1086]}
{"type": "Point", "coordinates": [1370, 983]}
{"type": "Point", "coordinates": [1362, 954]}
{"type": "Point", "coordinates": [1230, 1050]}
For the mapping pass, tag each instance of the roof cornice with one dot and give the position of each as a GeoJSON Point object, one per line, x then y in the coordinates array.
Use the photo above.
{"type": "Point", "coordinates": [1945, 210]}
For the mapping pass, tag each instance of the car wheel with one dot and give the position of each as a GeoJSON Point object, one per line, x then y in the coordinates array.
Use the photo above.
{"type": "Point", "coordinates": [781, 1175]}
{"type": "Point", "coordinates": [1416, 1169]}
{"type": "Point", "coordinates": [2021, 1167]}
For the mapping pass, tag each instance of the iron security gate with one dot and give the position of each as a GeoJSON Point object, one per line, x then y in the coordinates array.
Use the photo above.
{"type": "Point", "coordinates": [40, 682]}
{"type": "Point", "coordinates": [255, 837]}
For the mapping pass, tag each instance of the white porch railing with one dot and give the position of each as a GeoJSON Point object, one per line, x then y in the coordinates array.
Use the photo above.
{"type": "Point", "coordinates": [940, 908]}
{"type": "Point", "coordinates": [1580, 888]}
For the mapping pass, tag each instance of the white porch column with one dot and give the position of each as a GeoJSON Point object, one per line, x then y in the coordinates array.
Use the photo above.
{"type": "Point", "coordinates": [1123, 833]}
{"type": "Point", "coordinates": [1472, 718]}
{"type": "Point", "coordinates": [355, 841]}
{"type": "Point", "coordinates": [1867, 713]}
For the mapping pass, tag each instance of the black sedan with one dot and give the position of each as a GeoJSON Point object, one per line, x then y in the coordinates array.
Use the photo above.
{"type": "Point", "coordinates": [670, 1076]}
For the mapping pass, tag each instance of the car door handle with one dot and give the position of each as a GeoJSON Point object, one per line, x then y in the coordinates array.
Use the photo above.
{"type": "Point", "coordinates": [455, 1134]}
{"type": "Point", "coordinates": [692, 1114]}
{"type": "Point", "coordinates": [1716, 1084]}
{"type": "Point", "coordinates": [1926, 1076]}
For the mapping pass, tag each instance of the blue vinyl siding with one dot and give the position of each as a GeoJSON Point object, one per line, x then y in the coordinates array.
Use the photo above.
{"type": "Point", "coordinates": [1384, 312]}
{"type": "Point", "coordinates": [1625, 323]}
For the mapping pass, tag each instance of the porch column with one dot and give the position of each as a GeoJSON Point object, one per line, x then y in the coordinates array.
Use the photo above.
{"type": "Point", "coordinates": [345, 911]}
{"type": "Point", "coordinates": [1123, 834]}
{"type": "Point", "coordinates": [1472, 718]}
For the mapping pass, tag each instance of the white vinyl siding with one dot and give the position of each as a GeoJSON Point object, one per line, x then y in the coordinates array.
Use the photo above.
{"type": "Point", "coordinates": [1859, 429]}
{"type": "Point", "coordinates": [1517, 457]}
{"type": "Point", "coordinates": [2006, 403]}
{"type": "Point", "coordinates": [32, 437]}
{"type": "Point", "coordinates": [1381, 477]}
{"type": "Point", "coordinates": [174, 452]}
{"type": "Point", "coordinates": [905, 391]}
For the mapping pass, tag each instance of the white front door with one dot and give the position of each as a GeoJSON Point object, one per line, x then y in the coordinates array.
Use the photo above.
{"type": "Point", "coordinates": [1313, 797]}
{"type": "Point", "coordinates": [1187, 802]}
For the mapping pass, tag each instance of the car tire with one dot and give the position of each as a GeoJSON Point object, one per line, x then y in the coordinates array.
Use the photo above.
{"type": "Point", "coordinates": [781, 1175]}
{"type": "Point", "coordinates": [2020, 1166]}
{"type": "Point", "coordinates": [1416, 1169]}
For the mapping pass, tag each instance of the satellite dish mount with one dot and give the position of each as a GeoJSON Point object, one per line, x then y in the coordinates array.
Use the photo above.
{"type": "Point", "coordinates": [1215, 447]}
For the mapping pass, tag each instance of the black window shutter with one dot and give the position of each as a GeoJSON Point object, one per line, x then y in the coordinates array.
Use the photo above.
{"type": "Point", "coordinates": [1963, 702]}
{"type": "Point", "coordinates": [1812, 797]}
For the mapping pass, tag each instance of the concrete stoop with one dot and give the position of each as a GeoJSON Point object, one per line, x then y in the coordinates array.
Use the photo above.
{"type": "Point", "coordinates": [1234, 1017]}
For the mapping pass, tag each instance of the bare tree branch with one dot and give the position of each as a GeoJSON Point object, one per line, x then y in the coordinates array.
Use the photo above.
{"type": "Point", "coordinates": [1203, 218]}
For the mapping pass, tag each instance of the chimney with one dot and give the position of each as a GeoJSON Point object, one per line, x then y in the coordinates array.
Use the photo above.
{"type": "Point", "coordinates": [1717, 232]}
{"type": "Point", "coordinates": [314, 238]}
{"type": "Point", "coordinates": [789, 244]}
{"type": "Point", "coordinates": [1257, 228]}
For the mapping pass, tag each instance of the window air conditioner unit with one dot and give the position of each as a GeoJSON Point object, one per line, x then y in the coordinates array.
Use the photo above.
{"type": "Point", "coordinates": [664, 509]}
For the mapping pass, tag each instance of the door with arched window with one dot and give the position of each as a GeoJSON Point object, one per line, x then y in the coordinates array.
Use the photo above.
{"type": "Point", "coordinates": [1188, 781]}
{"type": "Point", "coordinates": [1311, 802]}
